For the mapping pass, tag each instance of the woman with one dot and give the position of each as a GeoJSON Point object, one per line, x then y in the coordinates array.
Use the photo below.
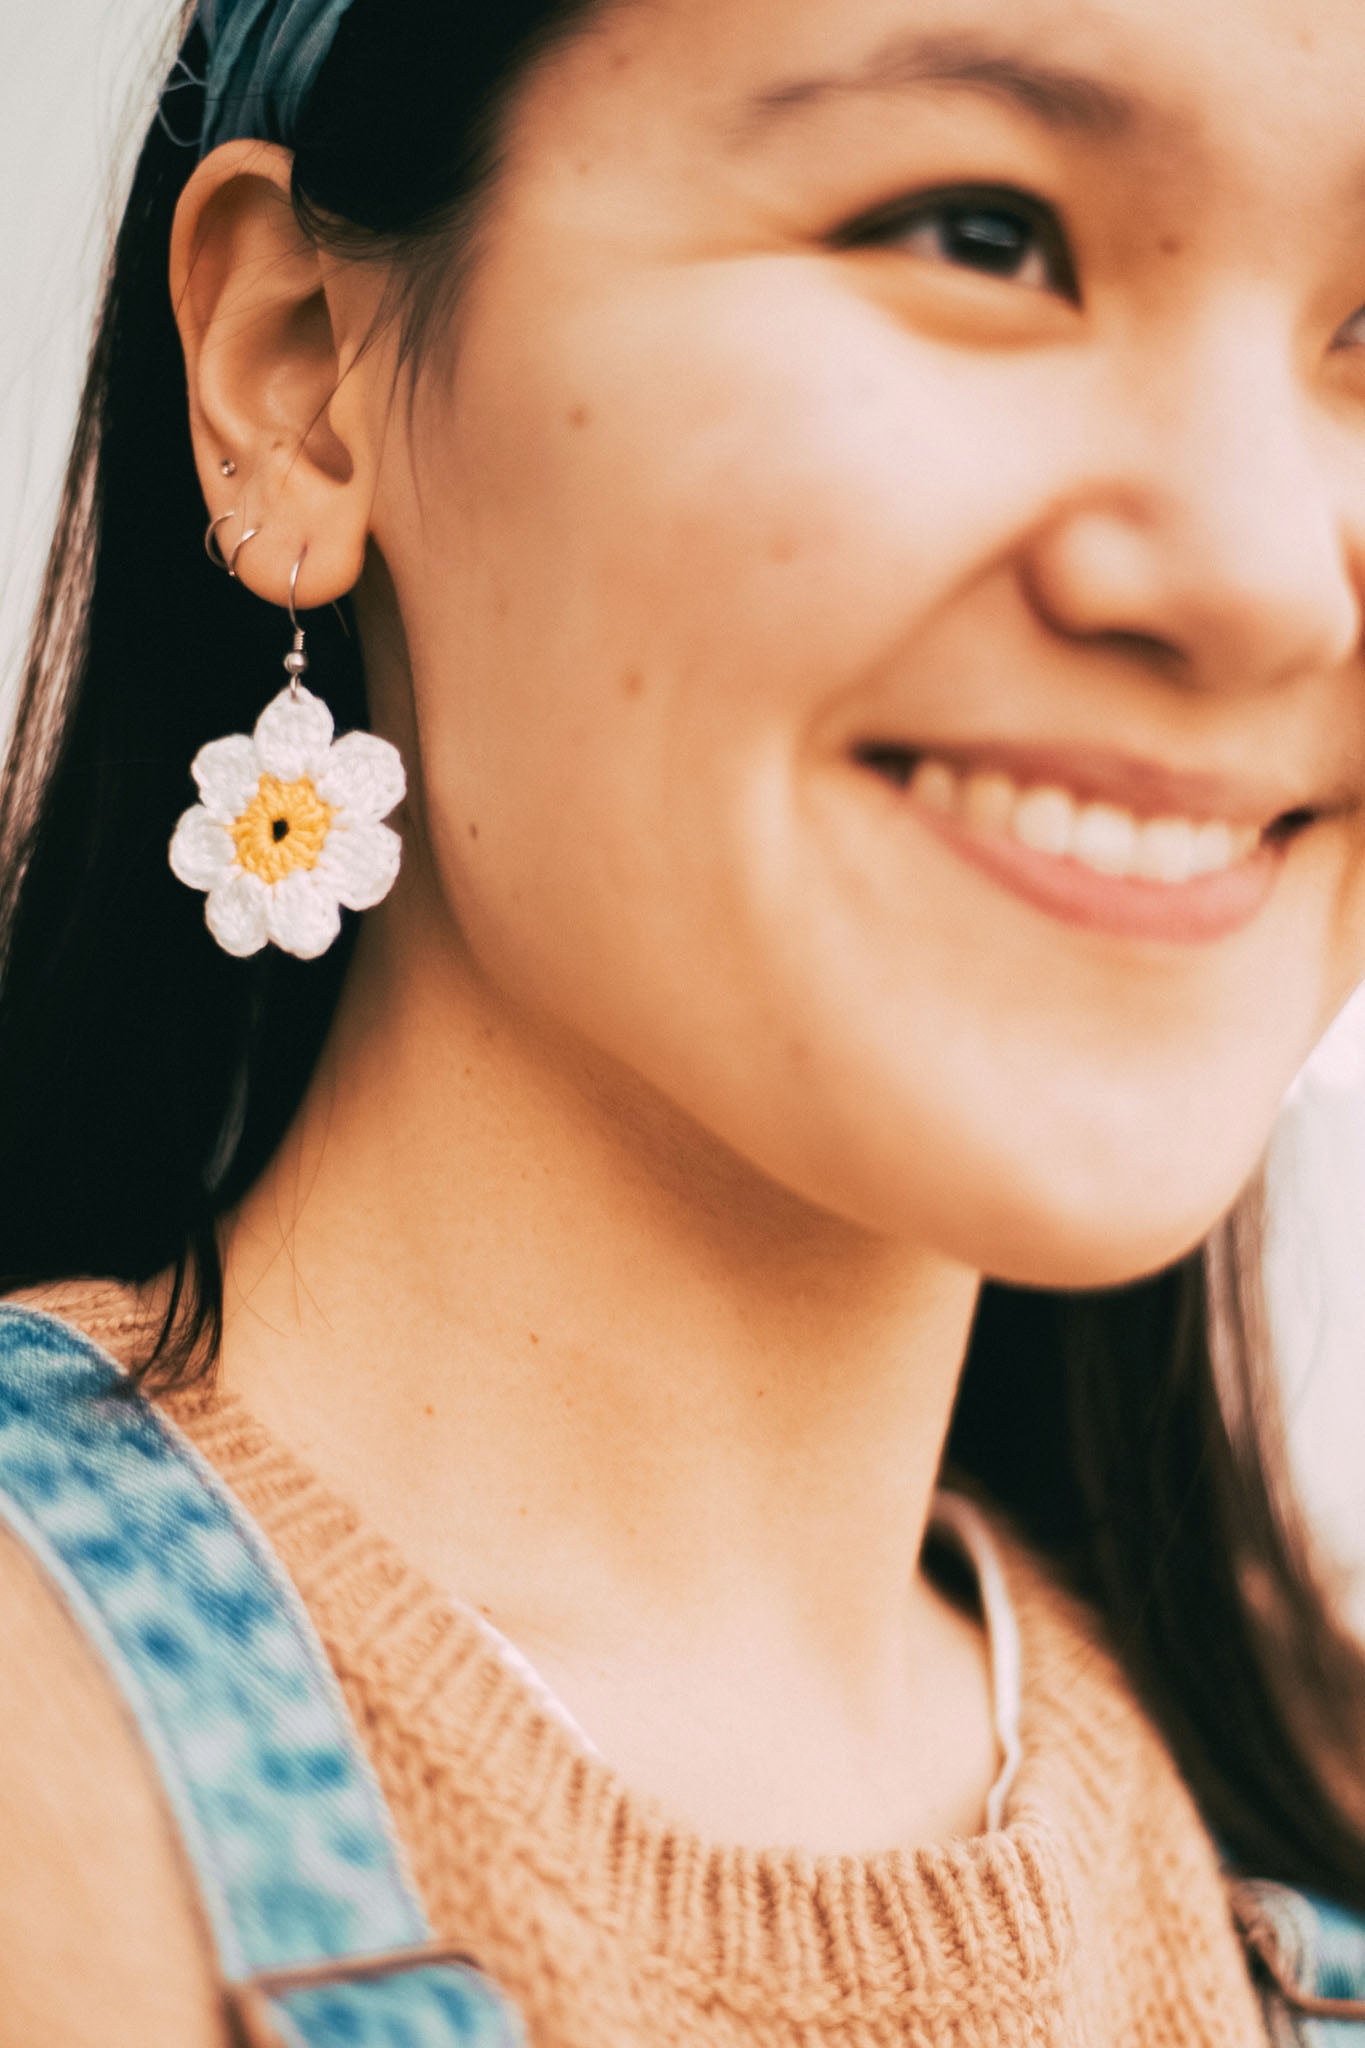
{"type": "Point", "coordinates": [853, 519]}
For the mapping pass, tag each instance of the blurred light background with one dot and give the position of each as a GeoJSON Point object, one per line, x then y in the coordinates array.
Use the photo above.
{"type": "Point", "coordinates": [74, 78]}
{"type": "Point", "coordinates": [73, 82]}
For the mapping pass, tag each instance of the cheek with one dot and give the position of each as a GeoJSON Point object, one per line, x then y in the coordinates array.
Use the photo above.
{"type": "Point", "coordinates": [1042, 1107]}
{"type": "Point", "coordinates": [661, 535]}
{"type": "Point", "coordinates": [690, 513]}
{"type": "Point", "coordinates": [739, 482]}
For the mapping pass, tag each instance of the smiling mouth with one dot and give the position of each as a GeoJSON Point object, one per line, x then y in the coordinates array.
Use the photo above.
{"type": "Point", "coordinates": [1163, 864]}
{"type": "Point", "coordinates": [1150, 843]}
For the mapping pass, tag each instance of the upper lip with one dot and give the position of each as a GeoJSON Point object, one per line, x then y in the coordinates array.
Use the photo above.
{"type": "Point", "coordinates": [1147, 788]}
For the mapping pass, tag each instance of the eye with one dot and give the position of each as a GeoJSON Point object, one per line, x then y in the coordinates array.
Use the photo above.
{"type": "Point", "coordinates": [995, 231]}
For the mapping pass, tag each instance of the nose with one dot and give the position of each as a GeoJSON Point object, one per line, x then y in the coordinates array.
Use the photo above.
{"type": "Point", "coordinates": [1219, 523]}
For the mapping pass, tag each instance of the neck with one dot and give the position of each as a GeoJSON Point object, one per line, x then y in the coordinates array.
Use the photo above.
{"type": "Point", "coordinates": [581, 1362]}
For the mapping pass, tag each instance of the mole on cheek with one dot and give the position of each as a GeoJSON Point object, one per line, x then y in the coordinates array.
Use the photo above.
{"type": "Point", "coordinates": [632, 683]}
{"type": "Point", "coordinates": [1171, 245]}
{"type": "Point", "coordinates": [579, 416]}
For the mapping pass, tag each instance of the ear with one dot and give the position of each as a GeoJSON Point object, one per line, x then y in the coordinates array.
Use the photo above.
{"type": "Point", "coordinates": [281, 380]}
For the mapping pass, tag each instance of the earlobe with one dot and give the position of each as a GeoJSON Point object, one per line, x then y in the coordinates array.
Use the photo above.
{"type": "Point", "coordinates": [264, 366]}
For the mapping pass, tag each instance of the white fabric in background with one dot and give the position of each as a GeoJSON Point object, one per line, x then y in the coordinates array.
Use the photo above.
{"type": "Point", "coordinates": [74, 80]}
{"type": "Point", "coordinates": [1316, 1274]}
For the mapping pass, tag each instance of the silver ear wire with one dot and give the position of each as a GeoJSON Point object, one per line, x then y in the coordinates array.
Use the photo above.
{"type": "Point", "coordinates": [296, 661]}
{"type": "Point", "coordinates": [294, 588]}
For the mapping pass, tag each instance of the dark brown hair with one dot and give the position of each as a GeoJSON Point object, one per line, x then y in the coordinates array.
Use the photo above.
{"type": "Point", "coordinates": [146, 1079]}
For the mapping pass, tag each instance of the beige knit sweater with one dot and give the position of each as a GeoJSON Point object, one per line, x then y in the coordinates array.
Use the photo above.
{"type": "Point", "coordinates": [1094, 1918]}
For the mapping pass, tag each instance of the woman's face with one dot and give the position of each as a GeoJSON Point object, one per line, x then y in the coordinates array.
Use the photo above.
{"type": "Point", "coordinates": [883, 580]}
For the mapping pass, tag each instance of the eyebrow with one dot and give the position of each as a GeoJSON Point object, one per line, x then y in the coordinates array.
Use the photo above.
{"type": "Point", "coordinates": [1053, 94]}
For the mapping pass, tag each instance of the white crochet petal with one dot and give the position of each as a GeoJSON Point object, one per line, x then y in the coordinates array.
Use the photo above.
{"type": "Point", "coordinates": [236, 914]}
{"type": "Point", "coordinates": [303, 916]}
{"type": "Point", "coordinates": [364, 774]}
{"type": "Point", "coordinates": [229, 774]}
{"type": "Point", "coordinates": [202, 852]}
{"type": "Point", "coordinates": [292, 736]}
{"type": "Point", "coordinates": [360, 861]}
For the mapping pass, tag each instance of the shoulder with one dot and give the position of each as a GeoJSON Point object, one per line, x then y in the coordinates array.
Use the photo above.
{"type": "Point", "coordinates": [116, 1316]}
{"type": "Point", "coordinates": [99, 1926]}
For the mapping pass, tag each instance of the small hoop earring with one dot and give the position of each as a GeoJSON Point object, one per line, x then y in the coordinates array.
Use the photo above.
{"type": "Point", "coordinates": [213, 547]}
{"type": "Point", "coordinates": [250, 534]}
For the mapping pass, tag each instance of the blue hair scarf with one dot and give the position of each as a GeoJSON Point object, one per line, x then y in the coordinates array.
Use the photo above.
{"type": "Point", "coordinates": [264, 57]}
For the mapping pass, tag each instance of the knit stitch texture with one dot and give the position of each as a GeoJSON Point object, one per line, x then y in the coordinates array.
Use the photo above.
{"type": "Point", "coordinates": [1095, 1917]}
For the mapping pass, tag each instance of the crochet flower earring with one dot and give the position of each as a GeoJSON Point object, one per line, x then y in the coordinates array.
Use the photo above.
{"type": "Point", "coordinates": [287, 831]}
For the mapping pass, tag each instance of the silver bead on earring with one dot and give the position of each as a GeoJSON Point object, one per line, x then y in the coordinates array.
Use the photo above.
{"type": "Point", "coordinates": [287, 832]}
{"type": "Point", "coordinates": [227, 467]}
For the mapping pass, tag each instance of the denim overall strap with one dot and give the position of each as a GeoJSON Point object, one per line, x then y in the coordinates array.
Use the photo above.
{"type": "Point", "coordinates": [320, 1937]}
{"type": "Point", "coordinates": [1309, 1956]}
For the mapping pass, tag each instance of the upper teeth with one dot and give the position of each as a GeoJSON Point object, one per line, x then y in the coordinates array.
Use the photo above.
{"type": "Point", "coordinates": [1101, 836]}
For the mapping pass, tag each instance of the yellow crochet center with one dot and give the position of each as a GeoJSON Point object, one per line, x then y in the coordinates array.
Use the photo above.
{"type": "Point", "coordinates": [282, 829]}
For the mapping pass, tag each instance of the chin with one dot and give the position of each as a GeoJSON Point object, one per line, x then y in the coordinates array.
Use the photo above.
{"type": "Point", "coordinates": [1060, 1200]}
{"type": "Point", "coordinates": [1081, 1268]}
{"type": "Point", "coordinates": [1066, 1250]}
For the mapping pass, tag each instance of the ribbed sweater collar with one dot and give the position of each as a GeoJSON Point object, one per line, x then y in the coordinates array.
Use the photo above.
{"type": "Point", "coordinates": [1099, 1894]}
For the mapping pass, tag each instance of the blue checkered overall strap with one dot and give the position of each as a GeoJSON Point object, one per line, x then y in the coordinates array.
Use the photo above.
{"type": "Point", "coordinates": [319, 1933]}
{"type": "Point", "coordinates": [1309, 1956]}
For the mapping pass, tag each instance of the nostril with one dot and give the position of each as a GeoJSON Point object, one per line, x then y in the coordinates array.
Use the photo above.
{"type": "Point", "coordinates": [1147, 648]}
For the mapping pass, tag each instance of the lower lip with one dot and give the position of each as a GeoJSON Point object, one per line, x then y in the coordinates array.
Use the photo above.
{"type": "Point", "coordinates": [1197, 912]}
